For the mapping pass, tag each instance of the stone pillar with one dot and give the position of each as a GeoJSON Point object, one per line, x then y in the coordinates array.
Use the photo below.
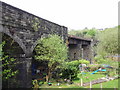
{"type": "Point", "coordinates": [29, 72]}
{"type": "Point", "coordinates": [1, 29]}
{"type": "Point", "coordinates": [80, 51]}
{"type": "Point", "coordinates": [88, 52]}
{"type": "Point", "coordinates": [25, 75]}
{"type": "Point", "coordinates": [91, 51]}
{"type": "Point", "coordinates": [0, 61]}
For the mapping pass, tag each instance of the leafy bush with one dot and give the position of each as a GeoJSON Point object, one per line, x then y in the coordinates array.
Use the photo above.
{"type": "Point", "coordinates": [71, 68]}
{"type": "Point", "coordinates": [109, 61]}
{"type": "Point", "coordinates": [83, 61]}
{"type": "Point", "coordinates": [99, 59]}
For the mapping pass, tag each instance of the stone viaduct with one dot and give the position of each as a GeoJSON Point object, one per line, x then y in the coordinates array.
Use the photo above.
{"type": "Point", "coordinates": [79, 48]}
{"type": "Point", "coordinates": [25, 29]}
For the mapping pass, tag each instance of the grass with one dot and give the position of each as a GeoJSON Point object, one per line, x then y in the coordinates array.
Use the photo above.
{"type": "Point", "coordinates": [76, 83]}
{"type": "Point", "coordinates": [109, 84]}
{"type": "Point", "coordinates": [61, 86]}
{"type": "Point", "coordinates": [87, 77]}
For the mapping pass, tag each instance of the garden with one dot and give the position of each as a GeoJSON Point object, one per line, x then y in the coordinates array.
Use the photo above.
{"type": "Point", "coordinates": [78, 80]}
{"type": "Point", "coordinates": [59, 72]}
{"type": "Point", "coordinates": [102, 73]}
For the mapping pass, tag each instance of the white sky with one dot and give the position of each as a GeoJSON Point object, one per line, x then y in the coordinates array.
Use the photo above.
{"type": "Point", "coordinates": [74, 14]}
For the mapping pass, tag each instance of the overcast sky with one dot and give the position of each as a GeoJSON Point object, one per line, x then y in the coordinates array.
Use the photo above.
{"type": "Point", "coordinates": [74, 14]}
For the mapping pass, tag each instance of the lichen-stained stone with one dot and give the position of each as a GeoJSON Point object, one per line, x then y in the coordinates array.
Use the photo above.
{"type": "Point", "coordinates": [25, 29]}
{"type": "Point", "coordinates": [28, 26]}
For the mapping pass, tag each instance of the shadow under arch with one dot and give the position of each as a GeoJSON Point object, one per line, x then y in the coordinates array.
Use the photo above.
{"type": "Point", "coordinates": [16, 39]}
{"type": "Point", "coordinates": [13, 49]}
{"type": "Point", "coordinates": [11, 45]}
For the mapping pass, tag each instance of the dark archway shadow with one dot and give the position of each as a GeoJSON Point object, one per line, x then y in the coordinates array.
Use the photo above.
{"type": "Point", "coordinates": [13, 50]}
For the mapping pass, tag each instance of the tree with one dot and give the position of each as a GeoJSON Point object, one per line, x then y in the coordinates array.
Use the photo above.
{"type": "Point", "coordinates": [108, 42]}
{"type": "Point", "coordinates": [91, 33]}
{"type": "Point", "coordinates": [85, 33]}
{"type": "Point", "coordinates": [53, 50]}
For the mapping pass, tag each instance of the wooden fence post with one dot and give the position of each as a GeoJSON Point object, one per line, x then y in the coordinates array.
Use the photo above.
{"type": "Point", "coordinates": [81, 82]}
{"type": "Point", "coordinates": [101, 86]}
{"type": "Point", "coordinates": [114, 88]}
{"type": "Point", "coordinates": [90, 84]}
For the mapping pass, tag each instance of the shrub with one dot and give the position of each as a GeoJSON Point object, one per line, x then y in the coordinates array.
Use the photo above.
{"type": "Point", "coordinates": [99, 60]}
{"type": "Point", "coordinates": [72, 68]}
{"type": "Point", "coordinates": [83, 61]}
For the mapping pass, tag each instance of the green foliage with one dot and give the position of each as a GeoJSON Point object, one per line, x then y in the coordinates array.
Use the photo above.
{"type": "Point", "coordinates": [72, 68]}
{"type": "Point", "coordinates": [86, 33]}
{"type": "Point", "coordinates": [108, 42]}
{"type": "Point", "coordinates": [99, 60]}
{"type": "Point", "coordinates": [35, 84]}
{"type": "Point", "coordinates": [83, 61]}
{"type": "Point", "coordinates": [73, 65]}
{"type": "Point", "coordinates": [108, 85]}
{"type": "Point", "coordinates": [7, 65]}
{"type": "Point", "coordinates": [1, 45]}
{"type": "Point", "coordinates": [76, 33]}
{"type": "Point", "coordinates": [53, 50]}
{"type": "Point", "coordinates": [91, 32]}
{"type": "Point", "coordinates": [36, 24]}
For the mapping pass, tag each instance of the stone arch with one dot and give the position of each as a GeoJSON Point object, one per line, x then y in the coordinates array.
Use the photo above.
{"type": "Point", "coordinates": [17, 40]}
{"type": "Point", "coordinates": [13, 50]}
{"type": "Point", "coordinates": [36, 42]}
{"type": "Point", "coordinates": [34, 45]}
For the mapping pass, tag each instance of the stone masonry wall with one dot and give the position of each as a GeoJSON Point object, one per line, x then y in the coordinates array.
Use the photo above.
{"type": "Point", "coordinates": [26, 27]}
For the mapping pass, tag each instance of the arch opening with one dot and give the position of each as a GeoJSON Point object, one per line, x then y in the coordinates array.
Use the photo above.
{"type": "Point", "coordinates": [13, 50]}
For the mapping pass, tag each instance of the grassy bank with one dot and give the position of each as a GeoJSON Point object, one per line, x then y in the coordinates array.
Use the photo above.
{"type": "Point", "coordinates": [109, 84]}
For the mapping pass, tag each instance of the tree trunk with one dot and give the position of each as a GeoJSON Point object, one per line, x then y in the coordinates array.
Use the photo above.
{"type": "Point", "coordinates": [48, 76]}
